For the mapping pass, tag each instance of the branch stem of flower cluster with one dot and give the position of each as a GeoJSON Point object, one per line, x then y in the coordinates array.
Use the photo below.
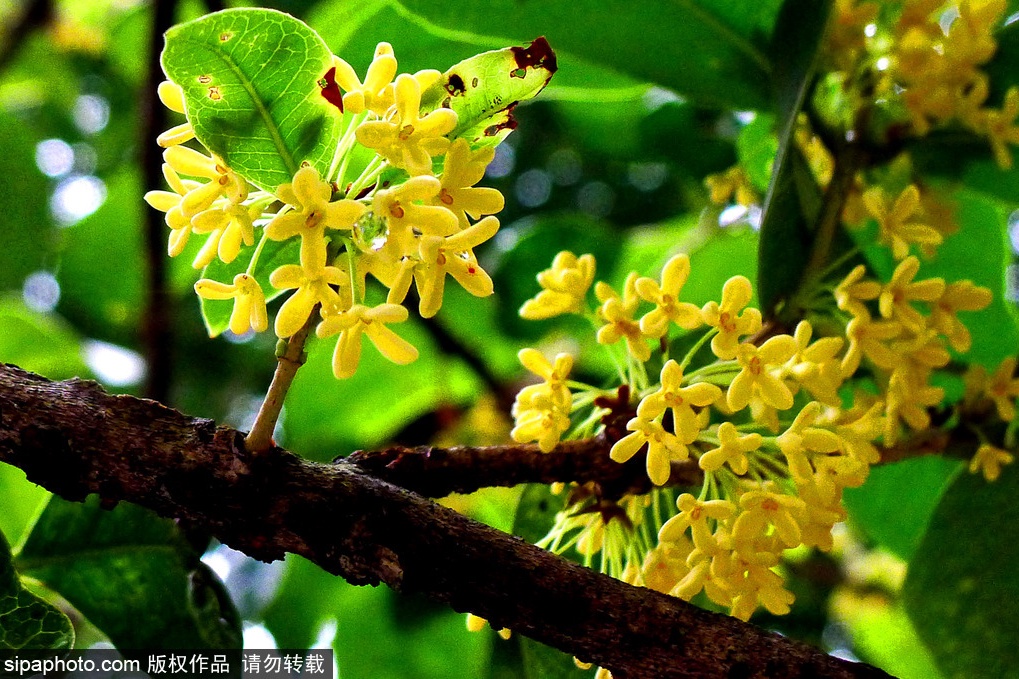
{"type": "Point", "coordinates": [259, 439]}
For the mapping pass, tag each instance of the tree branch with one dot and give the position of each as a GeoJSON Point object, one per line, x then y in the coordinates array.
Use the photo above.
{"type": "Point", "coordinates": [74, 439]}
{"type": "Point", "coordinates": [437, 472]}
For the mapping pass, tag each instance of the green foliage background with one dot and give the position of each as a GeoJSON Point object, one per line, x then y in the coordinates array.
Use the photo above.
{"type": "Point", "coordinates": [650, 98]}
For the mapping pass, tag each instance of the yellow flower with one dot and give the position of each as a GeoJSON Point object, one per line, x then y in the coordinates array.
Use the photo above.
{"type": "Point", "coordinates": [314, 214]}
{"type": "Point", "coordinates": [897, 294]}
{"type": "Point", "coordinates": [172, 97]}
{"type": "Point", "coordinates": [564, 287]}
{"type": "Point", "coordinates": [727, 318]}
{"type": "Point", "coordinates": [762, 508]}
{"type": "Point", "coordinates": [228, 226]}
{"type": "Point", "coordinates": [672, 394]}
{"type": "Point", "coordinates": [724, 185]}
{"type": "Point", "coordinates": [756, 378]}
{"type": "Point", "coordinates": [312, 288]}
{"type": "Point", "coordinates": [655, 323]}
{"type": "Point", "coordinates": [801, 438]}
{"type": "Point", "coordinates": [249, 301]}
{"type": "Point", "coordinates": [665, 565]}
{"type": "Point", "coordinates": [360, 320]}
{"type": "Point", "coordinates": [895, 228]}
{"type": "Point", "coordinates": [461, 171]}
{"type": "Point", "coordinates": [405, 139]}
{"type": "Point", "coordinates": [542, 411]}
{"type": "Point", "coordinates": [732, 450]}
{"type": "Point", "coordinates": [988, 460]}
{"type": "Point", "coordinates": [170, 203]}
{"type": "Point", "coordinates": [453, 255]}
{"type": "Point", "coordinates": [617, 312]}
{"type": "Point", "coordinates": [373, 94]}
{"type": "Point", "coordinates": [958, 296]}
{"type": "Point", "coordinates": [663, 447]}
{"type": "Point", "coordinates": [694, 515]}
{"type": "Point", "coordinates": [815, 366]}
{"type": "Point", "coordinates": [866, 338]}
{"type": "Point", "coordinates": [406, 218]}
{"type": "Point", "coordinates": [853, 291]}
{"type": "Point", "coordinates": [1002, 388]}
{"type": "Point", "coordinates": [1001, 129]}
{"type": "Point", "coordinates": [908, 398]}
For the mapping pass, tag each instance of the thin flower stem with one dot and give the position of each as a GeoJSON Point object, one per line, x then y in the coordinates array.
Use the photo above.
{"type": "Point", "coordinates": [259, 439]}
{"type": "Point", "coordinates": [257, 253]}
{"type": "Point", "coordinates": [697, 347]}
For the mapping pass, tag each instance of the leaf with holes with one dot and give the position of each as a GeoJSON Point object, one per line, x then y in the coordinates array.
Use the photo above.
{"type": "Point", "coordinates": [252, 91]}
{"type": "Point", "coordinates": [484, 89]}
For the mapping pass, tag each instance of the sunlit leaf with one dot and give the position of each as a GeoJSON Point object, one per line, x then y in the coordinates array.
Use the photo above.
{"type": "Point", "coordinates": [251, 89]}
{"type": "Point", "coordinates": [483, 89]}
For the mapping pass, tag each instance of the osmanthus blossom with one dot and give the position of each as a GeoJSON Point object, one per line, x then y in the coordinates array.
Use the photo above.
{"type": "Point", "coordinates": [663, 447]}
{"type": "Point", "coordinates": [172, 97]}
{"type": "Point", "coordinates": [853, 291]}
{"type": "Point", "coordinates": [895, 226]}
{"type": "Point", "coordinates": [732, 317]}
{"type": "Point", "coordinates": [542, 411]}
{"type": "Point", "coordinates": [374, 94]}
{"type": "Point", "coordinates": [457, 193]}
{"type": "Point", "coordinates": [360, 320]}
{"type": "Point", "coordinates": [958, 296]}
{"type": "Point", "coordinates": [988, 460]}
{"type": "Point", "coordinates": [732, 450]}
{"type": "Point", "coordinates": [756, 375]}
{"type": "Point", "coordinates": [249, 311]}
{"type": "Point", "coordinates": [617, 312]}
{"type": "Point", "coordinates": [312, 286]}
{"type": "Point", "coordinates": [672, 395]}
{"type": "Point", "coordinates": [452, 255]}
{"type": "Point", "coordinates": [897, 294]}
{"type": "Point", "coordinates": [169, 202]}
{"type": "Point", "coordinates": [314, 212]}
{"type": "Point", "coordinates": [564, 286]}
{"type": "Point", "coordinates": [665, 297]}
{"type": "Point", "coordinates": [406, 139]}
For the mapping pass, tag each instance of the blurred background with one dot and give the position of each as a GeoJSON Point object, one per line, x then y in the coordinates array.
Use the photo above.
{"type": "Point", "coordinates": [601, 162]}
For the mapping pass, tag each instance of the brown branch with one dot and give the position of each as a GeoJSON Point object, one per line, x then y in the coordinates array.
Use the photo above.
{"type": "Point", "coordinates": [437, 472]}
{"type": "Point", "coordinates": [74, 439]}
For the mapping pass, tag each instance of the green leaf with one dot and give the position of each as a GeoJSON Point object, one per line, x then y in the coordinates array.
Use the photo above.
{"type": "Point", "coordinates": [707, 50]}
{"type": "Point", "coordinates": [895, 505]}
{"type": "Point", "coordinates": [793, 199]}
{"type": "Point", "coordinates": [483, 89]}
{"type": "Point", "coordinates": [134, 575]}
{"type": "Point", "coordinates": [41, 343]}
{"type": "Point", "coordinates": [216, 312]}
{"type": "Point", "coordinates": [962, 589]}
{"type": "Point", "coordinates": [884, 636]}
{"type": "Point", "coordinates": [26, 621]}
{"type": "Point", "coordinates": [28, 233]}
{"type": "Point", "coordinates": [251, 89]}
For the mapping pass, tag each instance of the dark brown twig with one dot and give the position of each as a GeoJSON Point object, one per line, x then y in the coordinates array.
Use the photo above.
{"type": "Point", "coordinates": [158, 330]}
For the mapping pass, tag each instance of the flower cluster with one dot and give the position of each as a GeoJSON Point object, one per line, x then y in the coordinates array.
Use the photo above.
{"type": "Point", "coordinates": [925, 63]}
{"type": "Point", "coordinates": [769, 419]}
{"type": "Point", "coordinates": [398, 220]}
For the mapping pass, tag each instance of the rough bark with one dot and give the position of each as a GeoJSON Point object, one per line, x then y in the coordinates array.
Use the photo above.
{"type": "Point", "coordinates": [74, 439]}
